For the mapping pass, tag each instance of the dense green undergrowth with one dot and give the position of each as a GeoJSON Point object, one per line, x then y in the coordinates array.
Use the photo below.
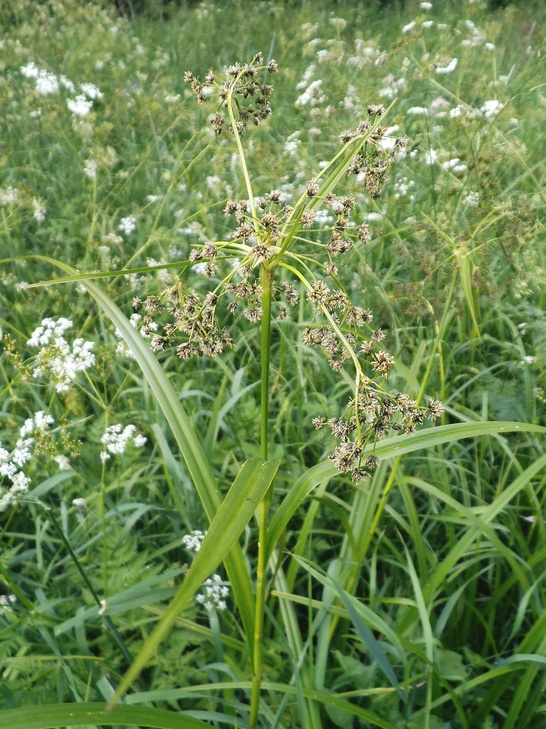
{"type": "Point", "coordinates": [411, 597]}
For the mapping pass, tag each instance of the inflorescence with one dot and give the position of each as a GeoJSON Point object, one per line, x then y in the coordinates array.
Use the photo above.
{"type": "Point", "coordinates": [270, 235]}
{"type": "Point", "coordinates": [241, 82]}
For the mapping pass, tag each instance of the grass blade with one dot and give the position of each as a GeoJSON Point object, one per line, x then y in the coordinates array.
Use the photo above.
{"type": "Point", "coordinates": [55, 716]}
{"type": "Point", "coordinates": [188, 442]}
{"type": "Point", "coordinates": [389, 448]}
{"type": "Point", "coordinates": [237, 509]}
{"type": "Point", "coordinates": [363, 631]}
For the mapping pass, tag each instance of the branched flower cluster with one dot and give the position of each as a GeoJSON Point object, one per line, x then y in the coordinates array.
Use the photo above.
{"type": "Point", "coordinates": [371, 165]}
{"type": "Point", "coordinates": [371, 412]}
{"type": "Point", "coordinates": [243, 84]}
{"type": "Point", "coordinates": [268, 237]}
{"type": "Point", "coordinates": [190, 316]}
{"type": "Point", "coordinates": [185, 314]}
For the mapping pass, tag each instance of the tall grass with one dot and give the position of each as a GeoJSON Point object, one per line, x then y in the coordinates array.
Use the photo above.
{"type": "Point", "coordinates": [413, 597]}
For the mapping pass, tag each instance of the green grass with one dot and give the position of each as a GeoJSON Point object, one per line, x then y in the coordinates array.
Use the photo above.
{"type": "Point", "coordinates": [414, 598]}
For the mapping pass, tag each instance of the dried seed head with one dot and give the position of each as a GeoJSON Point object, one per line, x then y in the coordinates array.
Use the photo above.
{"type": "Point", "coordinates": [375, 109]}
{"type": "Point", "coordinates": [312, 188]}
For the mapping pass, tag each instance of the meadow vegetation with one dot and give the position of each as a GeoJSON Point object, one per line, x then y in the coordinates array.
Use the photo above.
{"type": "Point", "coordinates": [272, 366]}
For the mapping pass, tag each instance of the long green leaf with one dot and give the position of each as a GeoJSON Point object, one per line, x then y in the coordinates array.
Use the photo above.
{"type": "Point", "coordinates": [236, 510]}
{"type": "Point", "coordinates": [389, 448]}
{"type": "Point", "coordinates": [363, 631]}
{"type": "Point", "coordinates": [186, 438]}
{"type": "Point", "coordinates": [319, 696]}
{"type": "Point", "coordinates": [55, 716]}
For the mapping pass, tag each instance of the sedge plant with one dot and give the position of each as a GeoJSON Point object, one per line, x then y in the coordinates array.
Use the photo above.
{"type": "Point", "coordinates": [273, 255]}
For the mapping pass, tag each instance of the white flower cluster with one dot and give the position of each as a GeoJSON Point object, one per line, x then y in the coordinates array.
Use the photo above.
{"type": "Point", "coordinates": [454, 165]}
{"type": "Point", "coordinates": [6, 602]}
{"type": "Point", "coordinates": [313, 95]}
{"type": "Point", "coordinates": [117, 438]}
{"type": "Point", "coordinates": [47, 83]}
{"type": "Point", "coordinates": [57, 358]}
{"type": "Point", "coordinates": [193, 541]}
{"type": "Point", "coordinates": [9, 195]}
{"type": "Point", "coordinates": [451, 66]}
{"type": "Point", "coordinates": [491, 108]}
{"type": "Point", "coordinates": [214, 592]}
{"type": "Point", "coordinates": [127, 225]}
{"type": "Point", "coordinates": [12, 462]}
{"type": "Point", "coordinates": [476, 36]}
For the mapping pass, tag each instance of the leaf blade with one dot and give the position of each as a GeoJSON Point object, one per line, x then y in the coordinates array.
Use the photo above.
{"type": "Point", "coordinates": [249, 487]}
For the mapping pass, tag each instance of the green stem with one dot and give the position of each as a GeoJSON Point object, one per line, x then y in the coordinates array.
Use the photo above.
{"type": "Point", "coordinates": [107, 620]}
{"type": "Point", "coordinates": [266, 277]}
{"type": "Point", "coordinates": [242, 160]}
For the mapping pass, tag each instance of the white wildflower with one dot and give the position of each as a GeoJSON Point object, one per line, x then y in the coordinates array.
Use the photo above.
{"type": "Point", "coordinates": [214, 590]}
{"type": "Point", "coordinates": [338, 23]}
{"type": "Point", "coordinates": [127, 225]}
{"type": "Point", "coordinates": [430, 156]}
{"type": "Point", "coordinates": [472, 199]}
{"type": "Point", "coordinates": [374, 217]}
{"type": "Point", "coordinates": [388, 140]}
{"type": "Point", "coordinates": [491, 108]}
{"type": "Point", "coordinates": [39, 210]}
{"type": "Point", "coordinates": [63, 463]}
{"type": "Point", "coordinates": [417, 111]}
{"type": "Point", "coordinates": [451, 66]}
{"type": "Point", "coordinates": [117, 438]}
{"type": "Point", "coordinates": [291, 147]}
{"type": "Point", "coordinates": [323, 217]}
{"type": "Point", "coordinates": [31, 70]}
{"type": "Point", "coordinates": [31, 432]}
{"type": "Point", "coordinates": [312, 95]}
{"type": "Point", "coordinates": [7, 601]}
{"type": "Point", "coordinates": [40, 422]}
{"type": "Point", "coordinates": [455, 165]}
{"type": "Point", "coordinates": [46, 83]}
{"type": "Point", "coordinates": [192, 542]}
{"type": "Point", "coordinates": [57, 359]}
{"type": "Point", "coordinates": [392, 87]}
{"type": "Point", "coordinates": [67, 84]}
{"type": "Point", "coordinates": [409, 26]}
{"type": "Point", "coordinates": [214, 183]}
{"type": "Point", "coordinates": [90, 168]}
{"type": "Point", "coordinates": [112, 239]}
{"type": "Point", "coordinates": [80, 106]}
{"type": "Point", "coordinates": [49, 330]}
{"type": "Point", "coordinates": [438, 106]}
{"type": "Point", "coordinates": [91, 91]}
{"type": "Point", "coordinates": [9, 196]}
